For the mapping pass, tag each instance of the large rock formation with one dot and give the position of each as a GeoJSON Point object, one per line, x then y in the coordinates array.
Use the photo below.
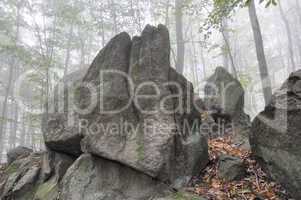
{"type": "Point", "coordinates": [276, 136]}
{"type": "Point", "coordinates": [133, 117]}
{"type": "Point", "coordinates": [157, 144]}
{"type": "Point", "coordinates": [224, 100]}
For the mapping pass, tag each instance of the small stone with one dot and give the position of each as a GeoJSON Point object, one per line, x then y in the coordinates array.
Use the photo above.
{"type": "Point", "coordinates": [231, 168]}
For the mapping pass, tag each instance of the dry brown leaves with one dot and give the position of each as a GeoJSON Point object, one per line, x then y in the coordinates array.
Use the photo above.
{"type": "Point", "coordinates": [255, 186]}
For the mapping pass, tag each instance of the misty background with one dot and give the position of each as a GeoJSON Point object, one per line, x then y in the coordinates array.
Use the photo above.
{"type": "Point", "coordinates": [53, 38]}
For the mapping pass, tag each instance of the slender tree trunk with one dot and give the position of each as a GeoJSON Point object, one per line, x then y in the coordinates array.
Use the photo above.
{"type": "Point", "coordinates": [298, 10]}
{"type": "Point", "coordinates": [167, 13]}
{"type": "Point", "coordinates": [49, 57]}
{"type": "Point", "coordinates": [136, 16]}
{"type": "Point", "coordinates": [82, 52]}
{"type": "Point", "coordinates": [194, 60]}
{"type": "Point", "coordinates": [203, 63]}
{"type": "Point", "coordinates": [114, 16]}
{"type": "Point", "coordinates": [67, 60]}
{"type": "Point", "coordinates": [289, 37]}
{"type": "Point", "coordinates": [298, 41]}
{"type": "Point", "coordinates": [14, 105]}
{"type": "Point", "coordinates": [14, 119]}
{"type": "Point", "coordinates": [228, 52]}
{"type": "Point", "coordinates": [3, 120]}
{"type": "Point", "coordinates": [139, 20]}
{"type": "Point", "coordinates": [234, 71]}
{"type": "Point", "coordinates": [103, 37]}
{"type": "Point", "coordinates": [263, 68]}
{"type": "Point", "coordinates": [15, 114]}
{"type": "Point", "coordinates": [22, 140]}
{"type": "Point", "coordinates": [225, 49]}
{"type": "Point", "coordinates": [179, 35]}
{"type": "Point", "coordinates": [33, 139]}
{"type": "Point", "coordinates": [68, 50]}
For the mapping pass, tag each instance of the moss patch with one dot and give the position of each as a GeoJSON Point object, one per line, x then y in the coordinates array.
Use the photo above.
{"type": "Point", "coordinates": [12, 168]}
{"type": "Point", "coordinates": [47, 191]}
{"type": "Point", "coordinates": [185, 196]}
{"type": "Point", "coordinates": [140, 152]}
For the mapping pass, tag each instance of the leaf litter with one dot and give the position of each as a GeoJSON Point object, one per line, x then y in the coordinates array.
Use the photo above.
{"type": "Point", "coordinates": [255, 186]}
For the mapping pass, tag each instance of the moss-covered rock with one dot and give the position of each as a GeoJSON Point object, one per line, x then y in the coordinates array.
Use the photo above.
{"type": "Point", "coordinates": [12, 168]}
{"type": "Point", "coordinates": [48, 190]}
{"type": "Point", "coordinates": [35, 177]}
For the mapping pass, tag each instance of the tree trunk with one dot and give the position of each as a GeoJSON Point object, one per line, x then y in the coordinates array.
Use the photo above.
{"type": "Point", "coordinates": [298, 43]}
{"type": "Point", "coordinates": [179, 36]}
{"type": "Point", "coordinates": [68, 50]}
{"type": "Point", "coordinates": [203, 62]}
{"type": "Point", "coordinates": [298, 10]}
{"type": "Point", "coordinates": [114, 16]}
{"type": "Point", "coordinates": [194, 61]}
{"type": "Point", "coordinates": [15, 114]}
{"type": "Point", "coordinates": [136, 18]}
{"type": "Point", "coordinates": [103, 37]}
{"type": "Point", "coordinates": [22, 140]}
{"type": "Point", "coordinates": [167, 13]}
{"type": "Point", "coordinates": [82, 52]}
{"type": "Point", "coordinates": [229, 53]}
{"type": "Point", "coordinates": [225, 49]}
{"type": "Point", "coordinates": [289, 37]}
{"type": "Point", "coordinates": [14, 106]}
{"type": "Point", "coordinates": [263, 68]}
{"type": "Point", "coordinates": [14, 120]}
{"type": "Point", "coordinates": [3, 120]}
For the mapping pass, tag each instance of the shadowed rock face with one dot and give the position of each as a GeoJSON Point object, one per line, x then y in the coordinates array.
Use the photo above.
{"type": "Point", "coordinates": [276, 135]}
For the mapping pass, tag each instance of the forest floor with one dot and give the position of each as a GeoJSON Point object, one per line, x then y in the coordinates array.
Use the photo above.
{"type": "Point", "coordinates": [255, 186]}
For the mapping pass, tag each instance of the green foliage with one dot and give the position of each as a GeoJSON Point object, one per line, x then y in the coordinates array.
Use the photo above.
{"type": "Point", "coordinates": [245, 80]}
{"type": "Point", "coordinates": [267, 2]}
{"type": "Point", "coordinates": [223, 9]}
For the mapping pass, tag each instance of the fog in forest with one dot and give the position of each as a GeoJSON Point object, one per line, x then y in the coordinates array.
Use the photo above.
{"type": "Point", "coordinates": [42, 41]}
